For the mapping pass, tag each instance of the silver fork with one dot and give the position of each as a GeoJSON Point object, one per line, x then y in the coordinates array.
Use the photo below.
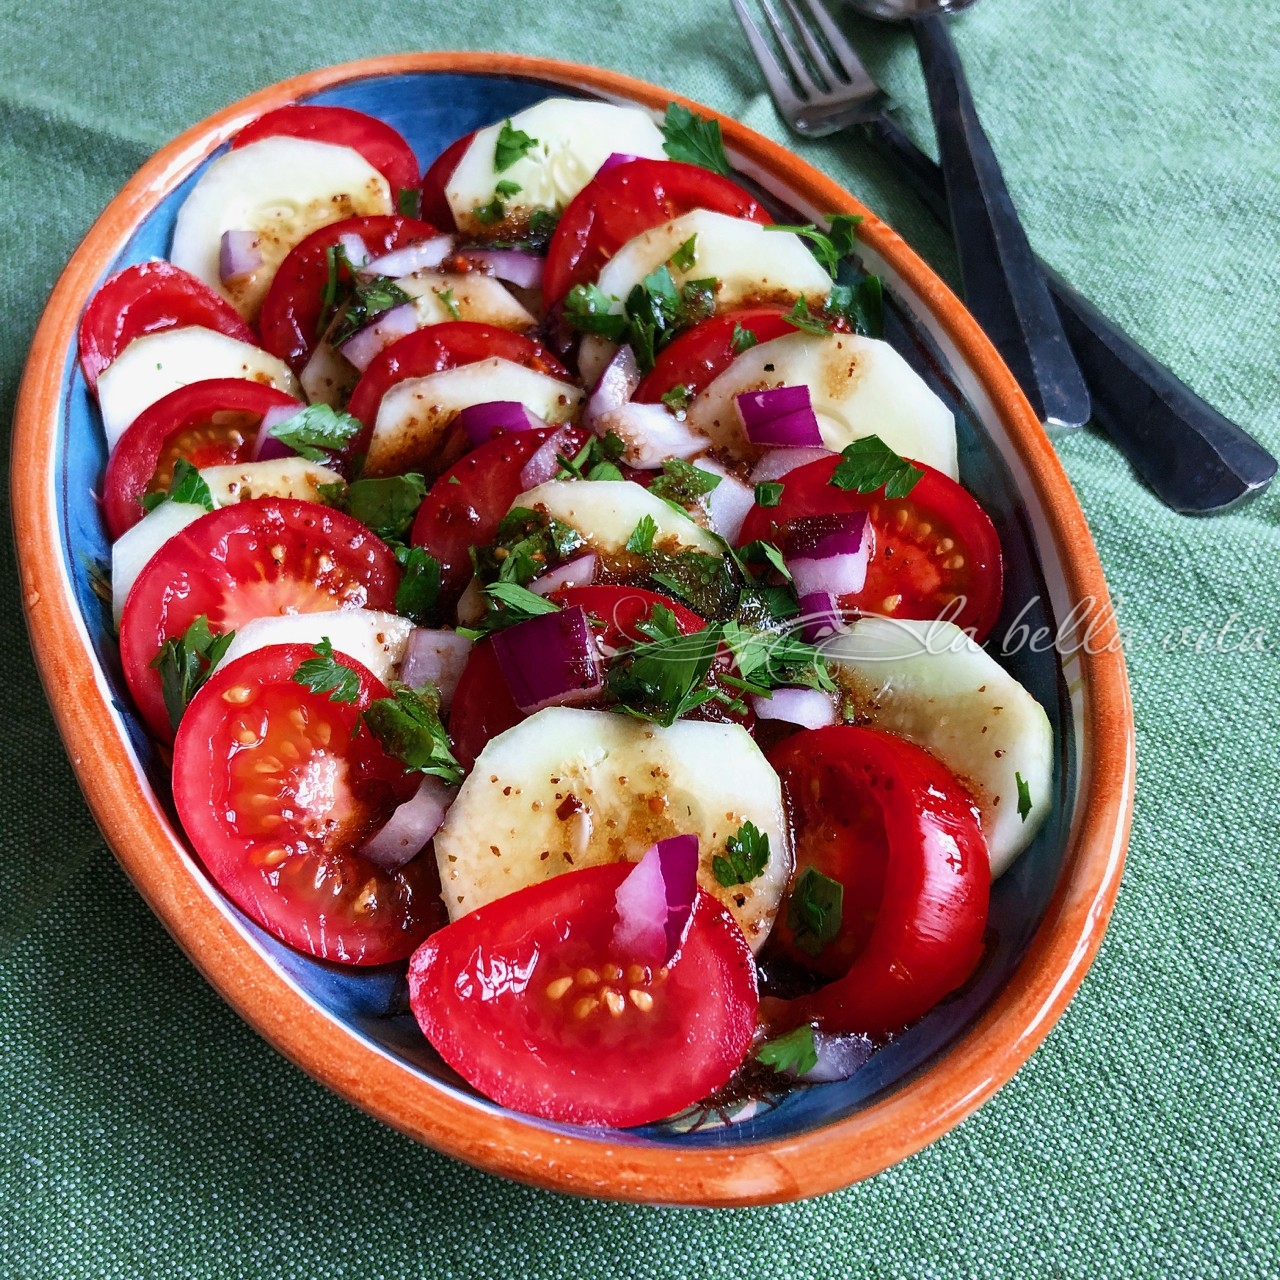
{"type": "Point", "coordinates": [829, 92]}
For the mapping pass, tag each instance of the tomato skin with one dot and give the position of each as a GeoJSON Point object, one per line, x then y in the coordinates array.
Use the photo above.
{"type": "Point", "coordinates": [701, 354]}
{"type": "Point", "coordinates": [437, 348]}
{"type": "Point", "coordinates": [294, 304]}
{"type": "Point", "coordinates": [374, 139]}
{"type": "Point", "coordinates": [434, 204]}
{"type": "Point", "coordinates": [182, 423]}
{"type": "Point", "coordinates": [266, 840]}
{"type": "Point", "coordinates": [465, 505]}
{"type": "Point", "coordinates": [901, 564]}
{"type": "Point", "coordinates": [479, 990]}
{"type": "Point", "coordinates": [625, 201]}
{"type": "Point", "coordinates": [146, 298]}
{"type": "Point", "coordinates": [260, 557]}
{"type": "Point", "coordinates": [923, 893]}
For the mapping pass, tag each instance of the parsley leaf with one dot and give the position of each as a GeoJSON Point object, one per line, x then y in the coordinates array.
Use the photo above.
{"type": "Point", "coordinates": [527, 542]}
{"type": "Point", "coordinates": [1024, 796]}
{"type": "Point", "coordinates": [743, 339]}
{"type": "Point", "coordinates": [663, 679]}
{"type": "Point", "coordinates": [677, 399]}
{"type": "Point", "coordinates": [317, 432]}
{"type": "Point", "coordinates": [764, 553]}
{"type": "Point", "coordinates": [387, 504]}
{"type": "Point", "coordinates": [702, 580]}
{"type": "Point", "coordinates": [509, 603]}
{"type": "Point", "coordinates": [792, 1054]}
{"type": "Point", "coordinates": [772, 660]}
{"type": "Point", "coordinates": [769, 493]}
{"type": "Point", "coordinates": [187, 485]}
{"type": "Point", "coordinates": [641, 541]}
{"type": "Point", "coordinates": [409, 202]}
{"type": "Point", "coordinates": [184, 663]}
{"type": "Point", "coordinates": [408, 726]}
{"type": "Point", "coordinates": [829, 247]}
{"type": "Point", "coordinates": [869, 464]}
{"type": "Point", "coordinates": [325, 674]}
{"type": "Point", "coordinates": [351, 301]}
{"type": "Point", "coordinates": [508, 188]}
{"type": "Point", "coordinates": [487, 214]}
{"type": "Point", "coordinates": [862, 306]}
{"type": "Point", "coordinates": [511, 146]}
{"type": "Point", "coordinates": [587, 309]}
{"type": "Point", "coordinates": [747, 854]}
{"type": "Point", "coordinates": [690, 138]}
{"type": "Point", "coordinates": [686, 255]}
{"type": "Point", "coordinates": [681, 482]}
{"type": "Point", "coordinates": [803, 318]}
{"type": "Point", "coordinates": [597, 459]}
{"type": "Point", "coordinates": [446, 301]}
{"type": "Point", "coordinates": [814, 911]}
{"type": "Point", "coordinates": [538, 232]}
{"type": "Point", "coordinates": [419, 589]}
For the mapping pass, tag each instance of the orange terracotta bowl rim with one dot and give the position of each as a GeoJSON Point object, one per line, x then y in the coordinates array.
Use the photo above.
{"type": "Point", "coordinates": [882, 1133]}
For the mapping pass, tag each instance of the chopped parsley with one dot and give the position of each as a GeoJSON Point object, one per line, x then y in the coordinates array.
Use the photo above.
{"type": "Point", "coordinates": [869, 464]}
{"type": "Point", "coordinates": [745, 857]}
{"type": "Point", "coordinates": [512, 145]}
{"type": "Point", "coordinates": [527, 542]}
{"type": "Point", "coordinates": [184, 663]}
{"type": "Point", "coordinates": [829, 247]}
{"type": "Point", "coordinates": [509, 603]}
{"type": "Point", "coordinates": [677, 399]}
{"type": "Point", "coordinates": [325, 674]}
{"type": "Point", "coordinates": [187, 485]}
{"type": "Point", "coordinates": [538, 232]}
{"type": "Point", "coordinates": [409, 202]}
{"type": "Point", "coordinates": [387, 504]}
{"type": "Point", "coordinates": [803, 318]}
{"type": "Point", "coordinates": [446, 301]}
{"type": "Point", "coordinates": [683, 483]}
{"type": "Point", "coordinates": [694, 140]}
{"type": "Point", "coordinates": [508, 188]}
{"type": "Point", "coordinates": [596, 460]}
{"type": "Point", "coordinates": [1024, 796]}
{"type": "Point", "coordinates": [771, 659]}
{"type": "Point", "coordinates": [686, 255]}
{"type": "Point", "coordinates": [419, 591]}
{"type": "Point", "coordinates": [704, 581]}
{"type": "Point", "coordinates": [743, 339]}
{"type": "Point", "coordinates": [793, 1054]}
{"type": "Point", "coordinates": [641, 540]}
{"type": "Point", "coordinates": [488, 214]}
{"type": "Point", "coordinates": [352, 301]}
{"type": "Point", "coordinates": [769, 493]}
{"type": "Point", "coordinates": [318, 432]}
{"type": "Point", "coordinates": [814, 911]}
{"type": "Point", "coordinates": [408, 726]}
{"type": "Point", "coordinates": [861, 305]}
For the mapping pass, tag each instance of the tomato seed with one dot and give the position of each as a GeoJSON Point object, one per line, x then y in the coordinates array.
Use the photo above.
{"type": "Point", "coordinates": [587, 977]}
{"type": "Point", "coordinates": [237, 695]}
{"type": "Point", "coordinates": [585, 1007]}
{"type": "Point", "coordinates": [613, 1002]}
{"type": "Point", "coordinates": [638, 973]}
{"type": "Point", "coordinates": [612, 973]}
{"type": "Point", "coordinates": [641, 999]}
{"type": "Point", "coordinates": [556, 989]}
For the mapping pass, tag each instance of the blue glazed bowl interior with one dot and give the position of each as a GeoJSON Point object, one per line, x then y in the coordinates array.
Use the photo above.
{"type": "Point", "coordinates": [431, 110]}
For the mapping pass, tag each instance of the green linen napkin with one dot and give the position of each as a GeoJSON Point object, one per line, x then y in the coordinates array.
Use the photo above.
{"type": "Point", "coordinates": [145, 1131]}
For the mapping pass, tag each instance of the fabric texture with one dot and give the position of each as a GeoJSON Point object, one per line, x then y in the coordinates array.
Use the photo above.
{"type": "Point", "coordinates": [145, 1131]}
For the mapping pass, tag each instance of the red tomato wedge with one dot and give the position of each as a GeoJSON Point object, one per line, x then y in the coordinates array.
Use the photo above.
{"type": "Point", "coordinates": [530, 1001]}
{"type": "Point", "coordinates": [259, 558]}
{"type": "Point", "coordinates": [625, 201]}
{"type": "Point", "coordinates": [374, 139]}
{"type": "Point", "coordinates": [933, 548]}
{"type": "Point", "coordinates": [466, 504]}
{"type": "Point", "coordinates": [434, 204]}
{"type": "Point", "coordinates": [901, 835]}
{"type": "Point", "coordinates": [440, 347]}
{"type": "Point", "coordinates": [482, 704]}
{"type": "Point", "coordinates": [277, 788]}
{"type": "Point", "coordinates": [208, 424]}
{"type": "Point", "coordinates": [146, 298]}
{"type": "Point", "coordinates": [294, 306]}
{"type": "Point", "coordinates": [700, 355]}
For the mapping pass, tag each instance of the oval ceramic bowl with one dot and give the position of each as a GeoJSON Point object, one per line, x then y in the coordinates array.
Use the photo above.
{"type": "Point", "coordinates": [342, 1026]}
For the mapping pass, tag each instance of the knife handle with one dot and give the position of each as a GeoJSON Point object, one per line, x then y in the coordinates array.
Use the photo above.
{"type": "Point", "coordinates": [1003, 284]}
{"type": "Point", "coordinates": [1195, 459]}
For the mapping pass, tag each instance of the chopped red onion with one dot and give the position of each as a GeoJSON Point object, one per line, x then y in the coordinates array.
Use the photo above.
{"type": "Point", "coordinates": [729, 502]}
{"type": "Point", "coordinates": [238, 255]}
{"type": "Point", "coordinates": [357, 252]}
{"type": "Point", "coordinates": [614, 160]}
{"type": "Point", "coordinates": [838, 1057]}
{"type": "Point", "coordinates": [435, 657]}
{"type": "Point", "coordinates": [391, 325]}
{"type": "Point", "coordinates": [594, 353]}
{"type": "Point", "coordinates": [781, 416]}
{"type": "Point", "coordinates": [550, 660]}
{"type": "Point", "coordinates": [820, 616]}
{"type": "Point", "coordinates": [829, 553]}
{"type": "Point", "coordinates": [614, 387]}
{"type": "Point", "coordinates": [542, 465]}
{"type": "Point", "coordinates": [578, 572]}
{"type": "Point", "coordinates": [482, 422]}
{"type": "Point", "coordinates": [655, 902]}
{"type": "Point", "coordinates": [405, 834]}
{"type": "Point", "coordinates": [423, 255]}
{"type": "Point", "coordinates": [268, 447]}
{"type": "Point", "coordinates": [524, 270]}
{"type": "Point", "coordinates": [778, 462]}
{"type": "Point", "coordinates": [652, 434]}
{"type": "Point", "coordinates": [809, 708]}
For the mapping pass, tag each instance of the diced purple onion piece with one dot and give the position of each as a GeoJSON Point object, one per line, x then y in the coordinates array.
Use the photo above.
{"type": "Point", "coordinates": [238, 255]}
{"type": "Point", "coordinates": [781, 416]}
{"type": "Point", "coordinates": [482, 422]}
{"type": "Point", "coordinates": [655, 902]}
{"type": "Point", "coordinates": [578, 572]}
{"type": "Point", "coordinates": [357, 252]}
{"type": "Point", "coordinates": [820, 616]}
{"type": "Point", "coordinates": [829, 553]}
{"type": "Point", "coordinates": [405, 834]}
{"type": "Point", "coordinates": [809, 708]}
{"type": "Point", "coordinates": [594, 353]}
{"type": "Point", "coordinates": [542, 465]}
{"type": "Point", "coordinates": [435, 657]}
{"type": "Point", "coordinates": [524, 270]}
{"type": "Point", "coordinates": [423, 255]}
{"type": "Point", "coordinates": [550, 660]}
{"type": "Point", "coordinates": [267, 447]}
{"type": "Point", "coordinates": [614, 160]}
{"type": "Point", "coordinates": [614, 387]}
{"type": "Point", "coordinates": [778, 462]}
{"type": "Point", "coordinates": [391, 325]}
{"type": "Point", "coordinates": [729, 502]}
{"type": "Point", "coordinates": [652, 434]}
{"type": "Point", "coordinates": [838, 1057]}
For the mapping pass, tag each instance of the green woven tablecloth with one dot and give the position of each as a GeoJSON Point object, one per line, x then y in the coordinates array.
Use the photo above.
{"type": "Point", "coordinates": [145, 1131]}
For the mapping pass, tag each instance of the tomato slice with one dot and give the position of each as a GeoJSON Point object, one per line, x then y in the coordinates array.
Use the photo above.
{"type": "Point", "coordinates": [209, 424]}
{"type": "Point", "coordinates": [896, 828]}
{"type": "Point", "coordinates": [277, 787]}
{"type": "Point", "coordinates": [933, 548]}
{"type": "Point", "coordinates": [259, 558]}
{"type": "Point", "coordinates": [440, 347]}
{"type": "Point", "coordinates": [701, 354]}
{"type": "Point", "coordinates": [294, 305]}
{"type": "Point", "coordinates": [434, 204]}
{"type": "Point", "coordinates": [466, 504]}
{"type": "Point", "coordinates": [529, 1000]}
{"type": "Point", "coordinates": [374, 139]}
{"type": "Point", "coordinates": [146, 298]}
{"type": "Point", "coordinates": [625, 201]}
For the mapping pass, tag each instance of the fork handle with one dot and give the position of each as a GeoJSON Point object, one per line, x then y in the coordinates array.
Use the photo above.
{"type": "Point", "coordinates": [1003, 285]}
{"type": "Point", "coordinates": [1194, 458]}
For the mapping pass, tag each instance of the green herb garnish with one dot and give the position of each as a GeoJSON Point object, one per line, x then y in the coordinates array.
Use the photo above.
{"type": "Point", "coordinates": [184, 663]}
{"type": "Point", "coordinates": [317, 432]}
{"type": "Point", "coordinates": [1024, 796]}
{"type": "Point", "coordinates": [446, 301]}
{"type": "Point", "coordinates": [187, 485]}
{"type": "Point", "coordinates": [686, 255]}
{"type": "Point", "coordinates": [664, 677]}
{"type": "Point", "coordinates": [508, 188]}
{"type": "Point", "coordinates": [769, 493]}
{"type": "Point", "coordinates": [511, 146]}
{"type": "Point", "coordinates": [869, 464]}
{"type": "Point", "coordinates": [419, 591]}
{"type": "Point", "coordinates": [677, 399]}
{"type": "Point", "coordinates": [829, 247]}
{"type": "Point", "coordinates": [743, 339]}
{"type": "Point", "coordinates": [325, 674]}
{"type": "Point", "coordinates": [408, 726]}
{"type": "Point", "coordinates": [641, 540]}
{"type": "Point", "coordinates": [793, 1054]}
{"type": "Point", "coordinates": [527, 542]}
{"type": "Point", "coordinates": [387, 504]}
{"type": "Point", "coordinates": [745, 857]}
{"type": "Point", "coordinates": [814, 911]}
{"type": "Point", "coordinates": [683, 483]}
{"type": "Point", "coordinates": [803, 318]}
{"type": "Point", "coordinates": [694, 140]}
{"type": "Point", "coordinates": [509, 603]}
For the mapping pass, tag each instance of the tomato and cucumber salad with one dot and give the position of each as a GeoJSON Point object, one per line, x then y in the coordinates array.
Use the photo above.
{"type": "Point", "coordinates": [548, 717]}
